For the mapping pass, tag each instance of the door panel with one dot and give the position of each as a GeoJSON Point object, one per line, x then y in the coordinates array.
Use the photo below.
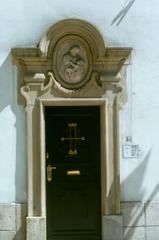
{"type": "Point", "coordinates": [73, 196]}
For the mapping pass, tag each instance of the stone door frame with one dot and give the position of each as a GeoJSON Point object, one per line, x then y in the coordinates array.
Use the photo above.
{"type": "Point", "coordinates": [110, 208]}
{"type": "Point", "coordinates": [102, 103]}
{"type": "Point", "coordinates": [105, 88]}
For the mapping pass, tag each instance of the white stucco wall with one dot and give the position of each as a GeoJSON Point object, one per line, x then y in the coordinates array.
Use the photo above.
{"type": "Point", "coordinates": [22, 24]}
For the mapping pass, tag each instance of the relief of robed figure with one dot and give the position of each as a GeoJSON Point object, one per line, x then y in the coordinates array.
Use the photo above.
{"type": "Point", "coordinates": [73, 65]}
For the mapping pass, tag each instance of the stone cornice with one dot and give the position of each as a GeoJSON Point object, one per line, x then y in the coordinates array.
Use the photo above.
{"type": "Point", "coordinates": [112, 55]}
{"type": "Point", "coordinates": [109, 65]}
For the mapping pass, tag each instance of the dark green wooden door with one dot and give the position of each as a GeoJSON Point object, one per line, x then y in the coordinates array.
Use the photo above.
{"type": "Point", "coordinates": [73, 193]}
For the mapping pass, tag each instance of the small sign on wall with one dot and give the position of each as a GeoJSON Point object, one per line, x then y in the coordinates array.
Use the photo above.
{"type": "Point", "coordinates": [131, 151]}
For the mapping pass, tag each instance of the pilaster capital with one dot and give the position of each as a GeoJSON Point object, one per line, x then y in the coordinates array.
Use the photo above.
{"type": "Point", "coordinates": [35, 86]}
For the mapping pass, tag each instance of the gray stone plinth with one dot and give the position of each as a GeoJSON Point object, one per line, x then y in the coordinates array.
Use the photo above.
{"type": "Point", "coordinates": [152, 233]}
{"type": "Point", "coordinates": [21, 213]}
{"type": "Point", "coordinates": [134, 233]}
{"type": "Point", "coordinates": [7, 217]}
{"type": "Point", "coordinates": [36, 228]}
{"type": "Point", "coordinates": [12, 221]}
{"type": "Point", "coordinates": [152, 214]}
{"type": "Point", "coordinates": [133, 214]}
{"type": "Point", "coordinates": [112, 227]}
{"type": "Point", "coordinates": [7, 235]}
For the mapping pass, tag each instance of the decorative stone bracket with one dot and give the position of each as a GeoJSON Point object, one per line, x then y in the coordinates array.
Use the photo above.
{"type": "Point", "coordinates": [71, 66]}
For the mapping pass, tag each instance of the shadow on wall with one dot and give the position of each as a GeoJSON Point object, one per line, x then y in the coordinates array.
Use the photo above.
{"type": "Point", "coordinates": [136, 178]}
{"type": "Point", "coordinates": [8, 101]}
{"type": "Point", "coordinates": [138, 175]}
{"type": "Point", "coordinates": [123, 12]}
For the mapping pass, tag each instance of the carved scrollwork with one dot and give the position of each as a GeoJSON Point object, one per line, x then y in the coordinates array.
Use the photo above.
{"type": "Point", "coordinates": [57, 85]}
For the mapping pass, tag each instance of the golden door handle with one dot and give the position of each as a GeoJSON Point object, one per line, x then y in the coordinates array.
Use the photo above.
{"type": "Point", "coordinates": [49, 172]}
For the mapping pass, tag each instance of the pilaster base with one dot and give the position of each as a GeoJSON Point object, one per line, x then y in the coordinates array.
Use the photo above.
{"type": "Point", "coordinates": [112, 226]}
{"type": "Point", "coordinates": [36, 228]}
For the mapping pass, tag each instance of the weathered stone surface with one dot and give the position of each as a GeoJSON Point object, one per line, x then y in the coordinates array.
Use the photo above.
{"type": "Point", "coordinates": [7, 235]}
{"type": "Point", "coordinates": [7, 217]}
{"type": "Point", "coordinates": [21, 213]}
{"type": "Point", "coordinates": [152, 214]}
{"type": "Point", "coordinates": [152, 233]}
{"type": "Point", "coordinates": [36, 228]}
{"type": "Point", "coordinates": [112, 227]}
{"type": "Point", "coordinates": [134, 233]}
{"type": "Point", "coordinates": [133, 214]}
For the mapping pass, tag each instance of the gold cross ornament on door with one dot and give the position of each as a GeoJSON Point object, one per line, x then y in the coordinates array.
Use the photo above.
{"type": "Point", "coordinates": [72, 138]}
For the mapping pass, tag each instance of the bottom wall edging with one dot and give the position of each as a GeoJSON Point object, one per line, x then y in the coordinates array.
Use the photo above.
{"type": "Point", "coordinates": [139, 221]}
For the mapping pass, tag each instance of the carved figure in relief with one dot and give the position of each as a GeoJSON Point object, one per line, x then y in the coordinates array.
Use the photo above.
{"type": "Point", "coordinates": [72, 67]}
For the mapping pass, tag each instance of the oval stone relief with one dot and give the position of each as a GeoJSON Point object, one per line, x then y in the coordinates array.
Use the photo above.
{"type": "Point", "coordinates": [71, 62]}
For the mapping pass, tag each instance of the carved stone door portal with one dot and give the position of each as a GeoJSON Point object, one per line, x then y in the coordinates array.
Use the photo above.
{"type": "Point", "coordinates": [72, 66]}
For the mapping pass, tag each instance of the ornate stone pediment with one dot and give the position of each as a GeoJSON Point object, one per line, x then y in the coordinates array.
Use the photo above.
{"type": "Point", "coordinates": [74, 54]}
